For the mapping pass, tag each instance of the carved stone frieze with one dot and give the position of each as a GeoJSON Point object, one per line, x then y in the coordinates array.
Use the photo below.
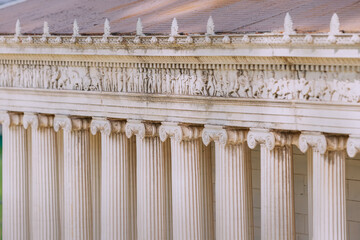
{"type": "Point", "coordinates": [267, 82]}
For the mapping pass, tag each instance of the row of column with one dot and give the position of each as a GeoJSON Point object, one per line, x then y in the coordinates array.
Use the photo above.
{"type": "Point", "coordinates": [158, 184]}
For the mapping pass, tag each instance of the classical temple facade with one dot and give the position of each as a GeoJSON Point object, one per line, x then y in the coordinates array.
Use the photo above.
{"type": "Point", "coordinates": [181, 137]}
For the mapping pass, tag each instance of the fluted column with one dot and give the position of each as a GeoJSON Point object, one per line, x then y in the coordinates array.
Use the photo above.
{"type": "Point", "coordinates": [277, 185]}
{"type": "Point", "coordinates": [45, 217]}
{"type": "Point", "coordinates": [15, 178]}
{"type": "Point", "coordinates": [153, 174]}
{"type": "Point", "coordinates": [328, 185]}
{"type": "Point", "coordinates": [77, 188]}
{"type": "Point", "coordinates": [118, 180]}
{"type": "Point", "coordinates": [234, 214]}
{"type": "Point", "coordinates": [191, 183]}
{"type": "Point", "coordinates": [95, 177]}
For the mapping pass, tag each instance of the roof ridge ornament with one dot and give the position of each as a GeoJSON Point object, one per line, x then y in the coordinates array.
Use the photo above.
{"type": "Point", "coordinates": [288, 25]}
{"type": "Point", "coordinates": [17, 28]}
{"type": "Point", "coordinates": [75, 29]}
{"type": "Point", "coordinates": [46, 31]}
{"type": "Point", "coordinates": [174, 28]}
{"type": "Point", "coordinates": [210, 27]}
{"type": "Point", "coordinates": [334, 25]}
{"type": "Point", "coordinates": [107, 30]}
{"type": "Point", "coordinates": [334, 28]}
{"type": "Point", "coordinates": [139, 28]}
{"type": "Point", "coordinates": [174, 31]}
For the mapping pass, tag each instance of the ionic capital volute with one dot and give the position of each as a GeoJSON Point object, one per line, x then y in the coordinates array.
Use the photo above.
{"type": "Point", "coordinates": [141, 129]}
{"type": "Point", "coordinates": [37, 120]}
{"type": "Point", "coordinates": [179, 132]}
{"type": "Point", "coordinates": [353, 145]}
{"type": "Point", "coordinates": [270, 139]}
{"type": "Point", "coordinates": [315, 140]}
{"type": "Point", "coordinates": [222, 135]}
{"type": "Point", "coordinates": [100, 124]}
{"type": "Point", "coordinates": [5, 119]}
{"type": "Point", "coordinates": [70, 123]}
{"type": "Point", "coordinates": [11, 119]}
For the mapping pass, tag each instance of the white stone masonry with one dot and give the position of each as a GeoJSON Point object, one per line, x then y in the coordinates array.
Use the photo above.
{"type": "Point", "coordinates": [15, 178]}
{"type": "Point", "coordinates": [277, 184]}
{"type": "Point", "coordinates": [154, 218]}
{"type": "Point", "coordinates": [78, 217]}
{"type": "Point", "coordinates": [328, 185]}
{"type": "Point", "coordinates": [44, 183]}
{"type": "Point", "coordinates": [192, 195]}
{"type": "Point", "coordinates": [234, 214]}
{"type": "Point", "coordinates": [118, 180]}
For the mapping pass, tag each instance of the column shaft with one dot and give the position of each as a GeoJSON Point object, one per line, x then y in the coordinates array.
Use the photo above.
{"type": "Point", "coordinates": [153, 180]}
{"type": "Point", "coordinates": [95, 170]}
{"type": "Point", "coordinates": [15, 187]}
{"type": "Point", "coordinates": [118, 187]}
{"type": "Point", "coordinates": [233, 192]}
{"type": "Point", "coordinates": [277, 193]}
{"type": "Point", "coordinates": [77, 189]}
{"type": "Point", "coordinates": [191, 190]}
{"type": "Point", "coordinates": [60, 157]}
{"type": "Point", "coordinates": [45, 219]}
{"type": "Point", "coordinates": [329, 202]}
{"type": "Point", "coordinates": [327, 170]}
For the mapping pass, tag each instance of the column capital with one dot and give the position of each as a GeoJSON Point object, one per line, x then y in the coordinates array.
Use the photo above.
{"type": "Point", "coordinates": [140, 129]}
{"type": "Point", "coordinates": [269, 138]}
{"type": "Point", "coordinates": [178, 132]}
{"type": "Point", "coordinates": [353, 145]}
{"type": "Point", "coordinates": [70, 123]}
{"type": "Point", "coordinates": [11, 119]}
{"type": "Point", "coordinates": [100, 124]}
{"type": "Point", "coordinates": [316, 140]}
{"type": "Point", "coordinates": [5, 118]}
{"type": "Point", "coordinates": [223, 136]}
{"type": "Point", "coordinates": [320, 142]}
{"type": "Point", "coordinates": [37, 120]}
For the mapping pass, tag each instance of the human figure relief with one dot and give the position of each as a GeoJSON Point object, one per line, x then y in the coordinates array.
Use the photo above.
{"type": "Point", "coordinates": [46, 77]}
{"type": "Point", "coordinates": [177, 82]}
{"type": "Point", "coordinates": [63, 81]}
{"type": "Point", "coordinates": [141, 80]}
{"type": "Point", "coordinates": [158, 80]}
{"type": "Point", "coordinates": [210, 86]}
{"type": "Point", "coordinates": [258, 85]}
{"type": "Point", "coordinates": [55, 75]}
{"type": "Point", "coordinates": [95, 77]}
{"type": "Point", "coordinates": [192, 82]}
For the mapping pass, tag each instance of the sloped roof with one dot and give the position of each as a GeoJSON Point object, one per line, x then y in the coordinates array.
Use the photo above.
{"type": "Point", "coordinates": [230, 16]}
